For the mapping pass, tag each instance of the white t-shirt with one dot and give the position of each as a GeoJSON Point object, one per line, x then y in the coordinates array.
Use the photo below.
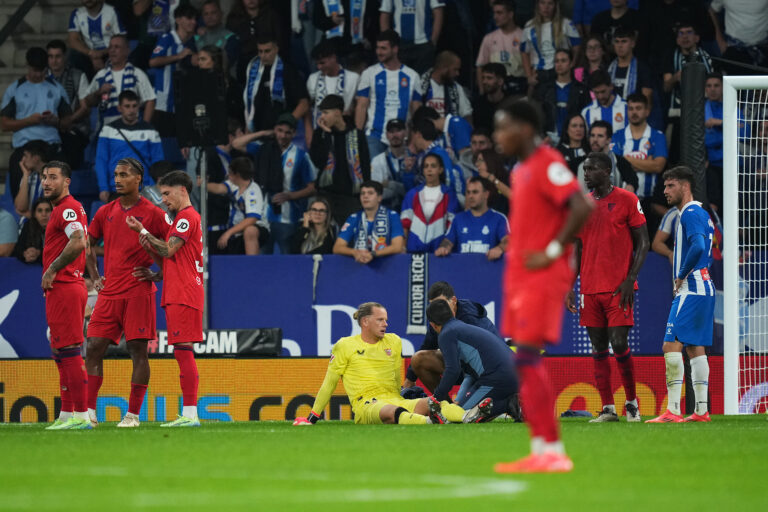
{"type": "Point", "coordinates": [429, 197]}
{"type": "Point", "coordinates": [745, 20]}
{"type": "Point", "coordinates": [319, 86]}
{"type": "Point", "coordinates": [435, 98]}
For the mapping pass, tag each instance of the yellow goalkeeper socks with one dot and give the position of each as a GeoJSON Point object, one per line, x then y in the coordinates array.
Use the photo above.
{"type": "Point", "coordinates": [452, 412]}
{"type": "Point", "coordinates": [411, 418]}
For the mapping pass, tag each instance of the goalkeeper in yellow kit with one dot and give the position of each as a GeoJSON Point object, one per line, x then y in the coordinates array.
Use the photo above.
{"type": "Point", "coordinates": [370, 365]}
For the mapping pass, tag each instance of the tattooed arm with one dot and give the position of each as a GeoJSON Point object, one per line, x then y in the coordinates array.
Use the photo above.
{"type": "Point", "coordinates": [161, 247]}
{"type": "Point", "coordinates": [72, 250]}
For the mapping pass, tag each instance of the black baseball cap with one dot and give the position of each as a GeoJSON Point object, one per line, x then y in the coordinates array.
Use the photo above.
{"type": "Point", "coordinates": [332, 102]}
{"type": "Point", "coordinates": [395, 124]}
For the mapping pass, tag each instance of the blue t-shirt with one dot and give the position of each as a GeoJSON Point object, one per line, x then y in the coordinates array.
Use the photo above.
{"type": "Point", "coordinates": [713, 137]}
{"type": "Point", "coordinates": [23, 98]}
{"type": "Point", "coordinates": [351, 228]}
{"type": "Point", "coordinates": [458, 133]}
{"type": "Point", "coordinates": [561, 105]}
{"type": "Point", "coordinates": [470, 234]}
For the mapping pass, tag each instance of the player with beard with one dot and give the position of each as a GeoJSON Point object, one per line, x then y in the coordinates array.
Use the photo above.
{"type": "Point", "coordinates": [182, 273]}
{"type": "Point", "coordinates": [126, 304]}
{"type": "Point", "coordinates": [65, 293]}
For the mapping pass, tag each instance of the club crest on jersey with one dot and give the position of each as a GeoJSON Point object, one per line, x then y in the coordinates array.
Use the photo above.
{"type": "Point", "coordinates": [618, 117]}
{"type": "Point", "coordinates": [182, 225]}
{"type": "Point", "coordinates": [69, 215]}
{"type": "Point", "coordinates": [404, 82]}
{"type": "Point", "coordinates": [559, 174]}
{"type": "Point", "coordinates": [388, 351]}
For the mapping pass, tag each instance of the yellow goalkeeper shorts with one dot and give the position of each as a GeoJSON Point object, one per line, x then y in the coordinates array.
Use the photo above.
{"type": "Point", "coordinates": [367, 413]}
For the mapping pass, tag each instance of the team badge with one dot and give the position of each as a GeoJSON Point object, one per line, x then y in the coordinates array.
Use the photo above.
{"type": "Point", "coordinates": [404, 82]}
{"type": "Point", "coordinates": [559, 174]}
{"type": "Point", "coordinates": [618, 117]}
{"type": "Point", "coordinates": [388, 351]}
{"type": "Point", "coordinates": [289, 163]}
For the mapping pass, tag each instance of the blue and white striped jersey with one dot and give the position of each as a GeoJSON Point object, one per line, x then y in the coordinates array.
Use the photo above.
{"type": "Point", "coordinates": [169, 44]}
{"type": "Point", "coordinates": [96, 31]}
{"type": "Point", "coordinates": [694, 221]}
{"type": "Point", "coordinates": [651, 144]}
{"type": "Point", "coordinates": [412, 19]}
{"type": "Point", "coordinates": [390, 93]}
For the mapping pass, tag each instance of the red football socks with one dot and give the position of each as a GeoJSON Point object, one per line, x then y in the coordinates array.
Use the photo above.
{"type": "Point", "coordinates": [77, 379]}
{"type": "Point", "coordinates": [137, 397]}
{"type": "Point", "coordinates": [188, 376]}
{"type": "Point", "coordinates": [603, 376]}
{"type": "Point", "coordinates": [627, 371]}
{"type": "Point", "coordinates": [537, 397]}
{"type": "Point", "coordinates": [66, 395]}
{"type": "Point", "coordinates": [94, 384]}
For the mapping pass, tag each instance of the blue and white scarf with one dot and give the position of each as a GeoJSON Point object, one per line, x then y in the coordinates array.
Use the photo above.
{"type": "Point", "coordinates": [377, 240]}
{"type": "Point", "coordinates": [321, 92]}
{"type": "Point", "coordinates": [356, 22]}
{"type": "Point", "coordinates": [255, 71]}
{"type": "Point", "coordinates": [630, 81]}
{"type": "Point", "coordinates": [128, 84]}
{"type": "Point", "coordinates": [334, 6]}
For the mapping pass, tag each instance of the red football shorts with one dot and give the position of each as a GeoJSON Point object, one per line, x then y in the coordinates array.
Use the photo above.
{"type": "Point", "coordinates": [604, 310]}
{"type": "Point", "coordinates": [184, 324]}
{"type": "Point", "coordinates": [65, 313]}
{"type": "Point", "coordinates": [533, 314]}
{"type": "Point", "coordinates": [134, 316]}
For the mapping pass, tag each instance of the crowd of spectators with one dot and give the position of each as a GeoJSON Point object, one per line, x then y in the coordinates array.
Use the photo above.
{"type": "Point", "coordinates": [364, 127]}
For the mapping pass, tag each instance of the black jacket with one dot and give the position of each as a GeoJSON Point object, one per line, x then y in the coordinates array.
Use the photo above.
{"type": "Point", "coordinates": [578, 98]}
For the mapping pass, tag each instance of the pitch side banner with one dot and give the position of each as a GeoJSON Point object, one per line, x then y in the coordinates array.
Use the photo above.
{"type": "Point", "coordinates": [312, 301]}
{"type": "Point", "coordinates": [281, 389]}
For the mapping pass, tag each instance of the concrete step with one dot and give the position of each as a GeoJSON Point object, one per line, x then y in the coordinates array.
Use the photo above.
{"type": "Point", "coordinates": [40, 19]}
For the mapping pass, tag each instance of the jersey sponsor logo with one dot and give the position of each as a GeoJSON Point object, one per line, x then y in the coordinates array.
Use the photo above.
{"type": "Point", "coordinates": [182, 225]}
{"type": "Point", "coordinates": [559, 174]}
{"type": "Point", "coordinates": [69, 215]}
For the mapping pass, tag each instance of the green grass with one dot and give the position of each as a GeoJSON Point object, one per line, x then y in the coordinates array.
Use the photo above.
{"type": "Point", "coordinates": [339, 466]}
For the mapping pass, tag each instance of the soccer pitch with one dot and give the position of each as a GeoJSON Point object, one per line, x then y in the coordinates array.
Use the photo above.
{"type": "Point", "coordinates": [340, 466]}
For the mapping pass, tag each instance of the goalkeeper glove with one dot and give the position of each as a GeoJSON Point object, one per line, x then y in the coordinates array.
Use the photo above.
{"type": "Point", "coordinates": [309, 420]}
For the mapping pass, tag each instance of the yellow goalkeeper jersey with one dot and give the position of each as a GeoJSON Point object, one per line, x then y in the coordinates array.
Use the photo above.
{"type": "Point", "coordinates": [368, 370]}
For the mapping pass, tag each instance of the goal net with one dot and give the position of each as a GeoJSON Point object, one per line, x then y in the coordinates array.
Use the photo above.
{"type": "Point", "coordinates": [745, 237]}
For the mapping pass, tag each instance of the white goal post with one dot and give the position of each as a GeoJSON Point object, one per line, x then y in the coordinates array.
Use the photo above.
{"type": "Point", "coordinates": [745, 265]}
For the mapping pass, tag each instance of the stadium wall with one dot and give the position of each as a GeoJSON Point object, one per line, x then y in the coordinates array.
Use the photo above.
{"type": "Point", "coordinates": [281, 389]}
{"type": "Point", "coordinates": [312, 300]}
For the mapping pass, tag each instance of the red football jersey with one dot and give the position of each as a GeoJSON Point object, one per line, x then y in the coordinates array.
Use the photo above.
{"type": "Point", "coordinates": [541, 187]}
{"type": "Point", "coordinates": [67, 217]}
{"type": "Point", "coordinates": [183, 272]}
{"type": "Point", "coordinates": [122, 251]}
{"type": "Point", "coordinates": [606, 238]}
